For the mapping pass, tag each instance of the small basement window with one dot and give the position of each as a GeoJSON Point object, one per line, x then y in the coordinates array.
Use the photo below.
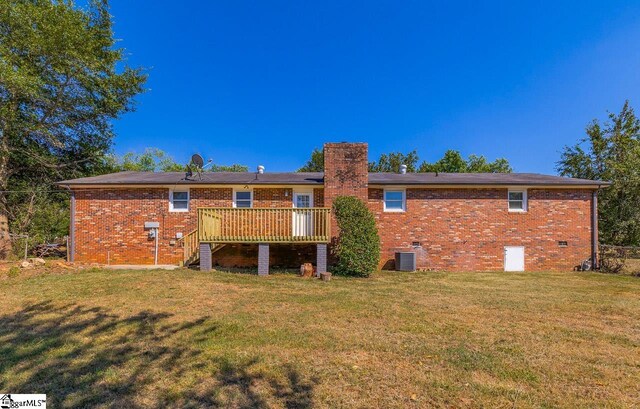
{"type": "Point", "coordinates": [243, 199]}
{"type": "Point", "coordinates": [563, 243]}
{"type": "Point", "coordinates": [394, 201]}
{"type": "Point", "coordinates": [179, 201]}
{"type": "Point", "coordinates": [517, 200]}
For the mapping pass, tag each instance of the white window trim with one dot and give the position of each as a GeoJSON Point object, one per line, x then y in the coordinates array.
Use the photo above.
{"type": "Point", "coordinates": [302, 192]}
{"type": "Point", "coordinates": [171, 209]}
{"type": "Point", "coordinates": [525, 201]}
{"type": "Point", "coordinates": [404, 201]}
{"type": "Point", "coordinates": [243, 190]}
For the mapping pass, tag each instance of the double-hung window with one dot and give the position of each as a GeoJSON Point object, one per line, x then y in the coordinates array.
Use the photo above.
{"type": "Point", "coordinates": [242, 198]}
{"type": "Point", "coordinates": [179, 201]}
{"type": "Point", "coordinates": [394, 200]}
{"type": "Point", "coordinates": [517, 200]}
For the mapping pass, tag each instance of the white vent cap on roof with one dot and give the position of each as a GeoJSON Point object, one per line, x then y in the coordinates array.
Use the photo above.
{"type": "Point", "coordinates": [403, 169]}
{"type": "Point", "coordinates": [260, 169]}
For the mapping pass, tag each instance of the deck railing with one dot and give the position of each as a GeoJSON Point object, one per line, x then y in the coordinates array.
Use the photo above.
{"type": "Point", "coordinates": [264, 225]}
{"type": "Point", "coordinates": [190, 247]}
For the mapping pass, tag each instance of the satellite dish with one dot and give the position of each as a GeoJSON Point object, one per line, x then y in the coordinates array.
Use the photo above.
{"type": "Point", "coordinates": [197, 160]}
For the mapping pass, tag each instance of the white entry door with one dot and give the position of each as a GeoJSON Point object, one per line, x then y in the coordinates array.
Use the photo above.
{"type": "Point", "coordinates": [514, 258]}
{"type": "Point", "coordinates": [302, 217]}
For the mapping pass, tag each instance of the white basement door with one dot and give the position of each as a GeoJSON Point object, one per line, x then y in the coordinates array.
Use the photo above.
{"type": "Point", "coordinates": [513, 258]}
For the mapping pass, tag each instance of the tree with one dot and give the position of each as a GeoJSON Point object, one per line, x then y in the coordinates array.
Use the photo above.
{"type": "Point", "coordinates": [391, 162]}
{"type": "Point", "coordinates": [157, 160]}
{"type": "Point", "coordinates": [358, 247]}
{"type": "Point", "coordinates": [453, 162]}
{"type": "Point", "coordinates": [315, 163]}
{"type": "Point", "coordinates": [611, 152]}
{"type": "Point", "coordinates": [62, 82]}
{"type": "Point", "coordinates": [151, 160]}
{"type": "Point", "coordinates": [386, 163]}
{"type": "Point", "coordinates": [229, 168]}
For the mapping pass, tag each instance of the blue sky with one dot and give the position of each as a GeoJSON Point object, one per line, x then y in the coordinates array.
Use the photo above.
{"type": "Point", "coordinates": [266, 82]}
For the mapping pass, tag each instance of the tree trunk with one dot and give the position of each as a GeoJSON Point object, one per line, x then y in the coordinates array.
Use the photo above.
{"type": "Point", "coordinates": [5, 241]}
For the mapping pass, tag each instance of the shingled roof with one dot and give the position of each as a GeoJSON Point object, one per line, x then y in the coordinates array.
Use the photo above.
{"type": "Point", "coordinates": [208, 178]}
{"type": "Point", "coordinates": [317, 178]}
{"type": "Point", "coordinates": [507, 179]}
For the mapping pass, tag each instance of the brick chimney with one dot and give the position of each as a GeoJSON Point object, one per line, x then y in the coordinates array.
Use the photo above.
{"type": "Point", "coordinates": [346, 171]}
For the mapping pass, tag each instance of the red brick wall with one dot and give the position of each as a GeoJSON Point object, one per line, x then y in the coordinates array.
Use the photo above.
{"type": "Point", "coordinates": [110, 222]}
{"type": "Point", "coordinates": [272, 197]}
{"type": "Point", "coordinates": [467, 229]}
{"type": "Point", "coordinates": [318, 197]}
{"type": "Point", "coordinates": [458, 229]}
{"type": "Point", "coordinates": [345, 171]}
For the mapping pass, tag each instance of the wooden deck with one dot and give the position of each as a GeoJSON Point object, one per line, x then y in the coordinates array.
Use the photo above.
{"type": "Point", "coordinates": [264, 225]}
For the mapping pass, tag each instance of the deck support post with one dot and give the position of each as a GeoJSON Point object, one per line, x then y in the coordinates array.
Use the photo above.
{"type": "Point", "coordinates": [205, 257]}
{"type": "Point", "coordinates": [263, 259]}
{"type": "Point", "coordinates": [321, 259]}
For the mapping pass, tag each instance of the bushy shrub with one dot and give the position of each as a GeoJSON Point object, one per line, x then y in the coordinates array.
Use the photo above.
{"type": "Point", "coordinates": [357, 250]}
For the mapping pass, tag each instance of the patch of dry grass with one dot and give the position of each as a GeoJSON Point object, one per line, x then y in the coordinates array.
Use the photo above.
{"type": "Point", "coordinates": [157, 338]}
{"type": "Point", "coordinates": [632, 266]}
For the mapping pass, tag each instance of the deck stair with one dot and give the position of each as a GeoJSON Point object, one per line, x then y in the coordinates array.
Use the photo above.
{"type": "Point", "coordinates": [191, 254]}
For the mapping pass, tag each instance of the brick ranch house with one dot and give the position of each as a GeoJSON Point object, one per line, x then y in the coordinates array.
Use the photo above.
{"type": "Point", "coordinates": [452, 222]}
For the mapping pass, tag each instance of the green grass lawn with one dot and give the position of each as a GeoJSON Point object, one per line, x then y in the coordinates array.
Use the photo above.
{"type": "Point", "coordinates": [190, 339]}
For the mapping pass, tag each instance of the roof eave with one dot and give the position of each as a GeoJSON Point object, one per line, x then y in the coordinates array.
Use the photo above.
{"type": "Point", "coordinates": [489, 185]}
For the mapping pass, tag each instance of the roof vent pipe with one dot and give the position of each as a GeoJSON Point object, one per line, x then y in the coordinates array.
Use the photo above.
{"type": "Point", "coordinates": [261, 169]}
{"type": "Point", "coordinates": [403, 169]}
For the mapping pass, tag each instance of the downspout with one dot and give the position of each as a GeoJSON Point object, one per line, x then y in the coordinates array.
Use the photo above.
{"type": "Point", "coordinates": [155, 258]}
{"type": "Point", "coordinates": [594, 230]}
{"type": "Point", "coordinates": [72, 225]}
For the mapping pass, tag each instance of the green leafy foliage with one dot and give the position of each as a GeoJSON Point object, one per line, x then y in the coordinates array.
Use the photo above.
{"type": "Point", "coordinates": [358, 247]}
{"type": "Point", "coordinates": [229, 168]}
{"type": "Point", "coordinates": [157, 160]}
{"type": "Point", "coordinates": [315, 163]}
{"type": "Point", "coordinates": [62, 83]}
{"type": "Point", "coordinates": [451, 162]}
{"type": "Point", "coordinates": [391, 162]}
{"type": "Point", "coordinates": [13, 272]}
{"type": "Point", "coordinates": [611, 152]}
{"type": "Point", "coordinates": [151, 160]}
{"type": "Point", "coordinates": [60, 88]}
